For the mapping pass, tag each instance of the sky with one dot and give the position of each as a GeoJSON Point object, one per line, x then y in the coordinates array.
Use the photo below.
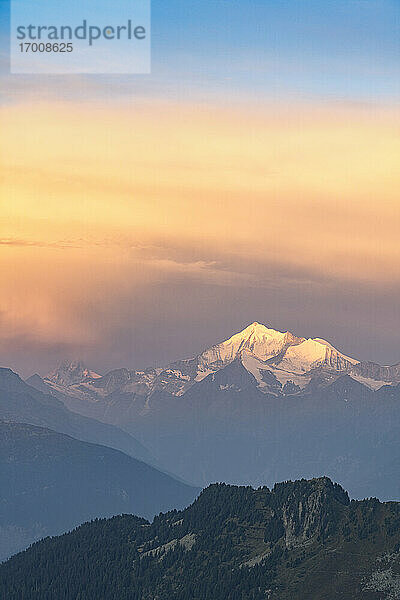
{"type": "Point", "coordinates": [252, 176]}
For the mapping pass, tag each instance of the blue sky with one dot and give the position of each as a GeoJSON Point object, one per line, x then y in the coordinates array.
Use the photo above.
{"type": "Point", "coordinates": [334, 49]}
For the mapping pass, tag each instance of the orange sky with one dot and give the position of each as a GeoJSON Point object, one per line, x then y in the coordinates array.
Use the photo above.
{"type": "Point", "coordinates": [125, 197]}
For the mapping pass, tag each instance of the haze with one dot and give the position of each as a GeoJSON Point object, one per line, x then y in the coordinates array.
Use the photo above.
{"type": "Point", "coordinates": [145, 219]}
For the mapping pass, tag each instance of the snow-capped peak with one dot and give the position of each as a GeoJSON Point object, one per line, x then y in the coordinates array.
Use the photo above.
{"type": "Point", "coordinates": [257, 339]}
{"type": "Point", "coordinates": [256, 332]}
{"type": "Point", "coordinates": [263, 349]}
{"type": "Point", "coordinates": [277, 360]}
{"type": "Point", "coordinates": [71, 372]}
{"type": "Point", "coordinates": [312, 353]}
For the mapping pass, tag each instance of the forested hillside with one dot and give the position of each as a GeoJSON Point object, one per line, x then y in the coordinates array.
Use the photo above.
{"type": "Point", "coordinates": [303, 540]}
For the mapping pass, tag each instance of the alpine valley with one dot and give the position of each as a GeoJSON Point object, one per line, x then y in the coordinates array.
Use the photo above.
{"type": "Point", "coordinates": [262, 406]}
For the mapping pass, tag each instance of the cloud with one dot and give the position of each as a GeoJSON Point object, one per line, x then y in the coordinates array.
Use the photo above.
{"type": "Point", "coordinates": [190, 222]}
{"type": "Point", "coordinates": [21, 243]}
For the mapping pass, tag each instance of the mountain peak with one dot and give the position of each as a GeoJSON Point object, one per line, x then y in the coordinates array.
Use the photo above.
{"type": "Point", "coordinates": [257, 339]}
{"type": "Point", "coordinates": [256, 333]}
{"type": "Point", "coordinates": [259, 328]}
{"type": "Point", "coordinates": [256, 325]}
{"type": "Point", "coordinates": [285, 355]}
{"type": "Point", "coordinates": [69, 372]}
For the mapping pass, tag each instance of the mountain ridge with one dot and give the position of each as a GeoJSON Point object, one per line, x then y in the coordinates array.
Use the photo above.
{"type": "Point", "coordinates": [251, 411]}
{"type": "Point", "coordinates": [21, 402]}
{"type": "Point", "coordinates": [51, 482]}
{"type": "Point", "coordinates": [301, 539]}
{"type": "Point", "coordinates": [280, 356]}
{"type": "Point", "coordinates": [69, 372]}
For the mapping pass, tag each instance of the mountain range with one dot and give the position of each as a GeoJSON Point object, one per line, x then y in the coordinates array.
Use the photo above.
{"type": "Point", "coordinates": [281, 364]}
{"type": "Point", "coordinates": [21, 402]}
{"type": "Point", "coordinates": [303, 540]}
{"type": "Point", "coordinates": [51, 482]}
{"type": "Point", "coordinates": [260, 407]}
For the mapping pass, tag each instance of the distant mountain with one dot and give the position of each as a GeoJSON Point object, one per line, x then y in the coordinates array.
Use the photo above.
{"type": "Point", "coordinates": [50, 483]}
{"type": "Point", "coordinates": [260, 407]}
{"type": "Point", "coordinates": [275, 359]}
{"type": "Point", "coordinates": [302, 540]}
{"type": "Point", "coordinates": [23, 403]}
{"type": "Point", "coordinates": [70, 372]}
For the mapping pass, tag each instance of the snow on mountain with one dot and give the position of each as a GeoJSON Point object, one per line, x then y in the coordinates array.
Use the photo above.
{"type": "Point", "coordinates": [272, 379]}
{"type": "Point", "coordinates": [279, 361]}
{"type": "Point", "coordinates": [255, 341]}
{"type": "Point", "coordinates": [274, 358]}
{"type": "Point", "coordinates": [262, 342]}
{"type": "Point", "coordinates": [372, 384]}
{"type": "Point", "coordinates": [70, 372]}
{"type": "Point", "coordinates": [311, 354]}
